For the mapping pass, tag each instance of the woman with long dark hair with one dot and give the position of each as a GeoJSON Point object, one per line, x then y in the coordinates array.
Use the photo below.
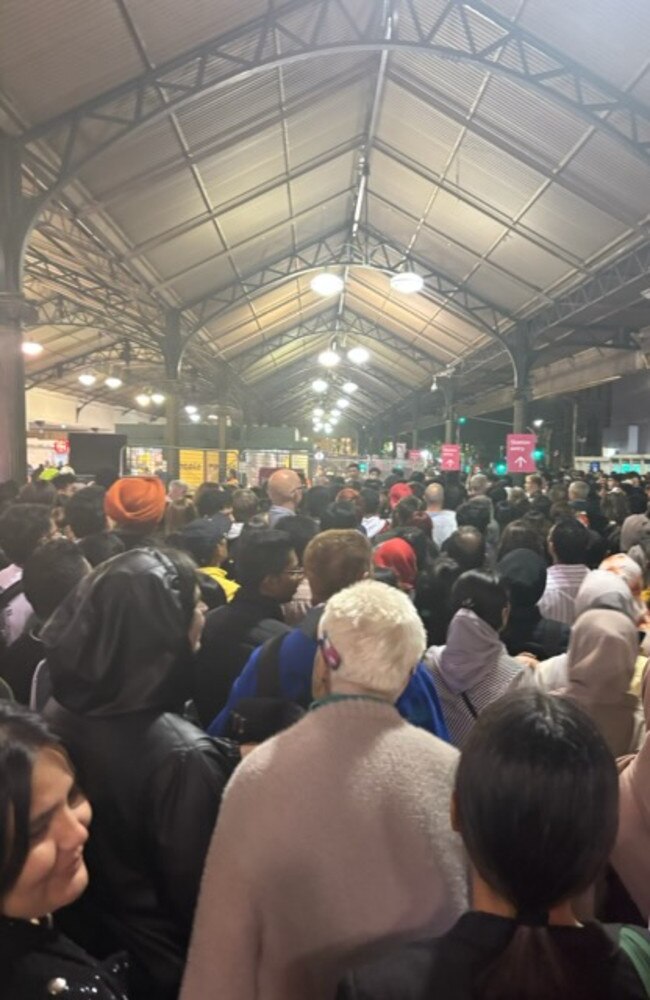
{"type": "Point", "coordinates": [536, 804]}
{"type": "Point", "coordinates": [44, 820]}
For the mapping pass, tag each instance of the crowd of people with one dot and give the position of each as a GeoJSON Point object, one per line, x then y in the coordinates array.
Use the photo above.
{"type": "Point", "coordinates": [358, 738]}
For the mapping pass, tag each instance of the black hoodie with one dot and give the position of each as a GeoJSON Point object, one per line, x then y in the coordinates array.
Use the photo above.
{"type": "Point", "coordinates": [119, 656]}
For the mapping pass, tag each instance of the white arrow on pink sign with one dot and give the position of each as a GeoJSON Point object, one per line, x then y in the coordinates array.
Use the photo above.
{"type": "Point", "coordinates": [450, 457]}
{"type": "Point", "coordinates": [519, 452]}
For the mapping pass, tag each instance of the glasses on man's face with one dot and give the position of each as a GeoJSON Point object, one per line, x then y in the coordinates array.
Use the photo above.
{"type": "Point", "coordinates": [297, 571]}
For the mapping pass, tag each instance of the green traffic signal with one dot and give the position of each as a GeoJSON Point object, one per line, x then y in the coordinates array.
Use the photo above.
{"type": "Point", "coordinates": [462, 420]}
{"type": "Point", "coordinates": [500, 468]}
{"type": "Point", "coordinates": [538, 454]}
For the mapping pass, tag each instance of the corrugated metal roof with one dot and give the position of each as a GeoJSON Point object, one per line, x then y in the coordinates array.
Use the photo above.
{"type": "Point", "coordinates": [453, 218]}
{"type": "Point", "coordinates": [168, 27]}
{"type": "Point", "coordinates": [313, 188]}
{"type": "Point", "coordinates": [246, 166]}
{"type": "Point", "coordinates": [536, 267]}
{"type": "Point", "coordinates": [610, 37]}
{"type": "Point", "coordinates": [416, 129]}
{"type": "Point", "coordinates": [192, 248]}
{"type": "Point", "coordinates": [332, 214]}
{"type": "Point", "coordinates": [216, 115]}
{"type": "Point", "coordinates": [274, 159]}
{"type": "Point", "coordinates": [564, 217]}
{"type": "Point", "coordinates": [138, 156]}
{"type": "Point", "coordinates": [599, 161]}
{"type": "Point", "coordinates": [172, 201]}
{"type": "Point", "coordinates": [506, 292]}
{"type": "Point", "coordinates": [529, 120]}
{"type": "Point", "coordinates": [457, 82]}
{"type": "Point", "coordinates": [56, 55]}
{"type": "Point", "coordinates": [487, 171]}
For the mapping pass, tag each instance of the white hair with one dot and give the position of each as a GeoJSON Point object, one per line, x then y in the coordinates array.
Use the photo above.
{"type": "Point", "coordinates": [376, 632]}
{"type": "Point", "coordinates": [478, 484]}
{"type": "Point", "coordinates": [578, 490]}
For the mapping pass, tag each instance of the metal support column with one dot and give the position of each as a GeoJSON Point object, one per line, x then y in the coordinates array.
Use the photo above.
{"type": "Point", "coordinates": [223, 433]}
{"type": "Point", "coordinates": [15, 312]}
{"type": "Point", "coordinates": [416, 418]}
{"type": "Point", "coordinates": [447, 388]}
{"type": "Point", "coordinates": [575, 417]}
{"type": "Point", "coordinates": [173, 352]}
{"type": "Point", "coordinates": [393, 430]}
{"type": "Point", "coordinates": [521, 356]}
{"type": "Point", "coordinates": [520, 412]}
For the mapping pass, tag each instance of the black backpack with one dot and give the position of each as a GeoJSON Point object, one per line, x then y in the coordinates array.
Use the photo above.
{"type": "Point", "coordinates": [253, 720]}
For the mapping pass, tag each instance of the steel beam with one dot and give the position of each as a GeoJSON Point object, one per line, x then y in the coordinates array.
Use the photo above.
{"type": "Point", "coordinates": [331, 251]}
{"type": "Point", "coordinates": [465, 30]}
{"type": "Point", "coordinates": [625, 271]}
{"type": "Point", "coordinates": [350, 324]}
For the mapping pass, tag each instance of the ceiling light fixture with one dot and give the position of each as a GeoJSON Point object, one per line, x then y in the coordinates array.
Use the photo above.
{"type": "Point", "coordinates": [318, 425]}
{"type": "Point", "coordinates": [112, 382]}
{"type": "Point", "coordinates": [326, 283]}
{"type": "Point", "coordinates": [358, 355]}
{"type": "Point", "coordinates": [157, 398]}
{"type": "Point", "coordinates": [320, 385]}
{"type": "Point", "coordinates": [342, 403]}
{"type": "Point", "coordinates": [143, 399]}
{"type": "Point", "coordinates": [335, 413]}
{"type": "Point", "coordinates": [31, 348]}
{"type": "Point", "coordinates": [212, 416]}
{"type": "Point", "coordinates": [87, 379]}
{"type": "Point", "coordinates": [195, 417]}
{"type": "Point", "coordinates": [327, 428]}
{"type": "Point", "coordinates": [190, 409]}
{"type": "Point", "coordinates": [349, 387]}
{"type": "Point", "coordinates": [407, 282]}
{"type": "Point", "coordinates": [329, 358]}
{"type": "Point", "coordinates": [318, 411]}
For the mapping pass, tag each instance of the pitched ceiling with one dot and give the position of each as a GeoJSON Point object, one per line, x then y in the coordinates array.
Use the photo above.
{"type": "Point", "coordinates": [208, 157]}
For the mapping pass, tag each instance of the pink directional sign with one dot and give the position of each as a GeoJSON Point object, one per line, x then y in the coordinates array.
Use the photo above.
{"type": "Point", "coordinates": [519, 452]}
{"type": "Point", "coordinates": [450, 457]}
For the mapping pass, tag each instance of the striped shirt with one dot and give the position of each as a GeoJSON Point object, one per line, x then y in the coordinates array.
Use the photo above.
{"type": "Point", "coordinates": [562, 585]}
{"type": "Point", "coordinates": [461, 709]}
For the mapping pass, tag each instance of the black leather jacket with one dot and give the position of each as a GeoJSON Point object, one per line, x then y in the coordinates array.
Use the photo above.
{"type": "Point", "coordinates": [39, 963]}
{"type": "Point", "coordinates": [119, 661]}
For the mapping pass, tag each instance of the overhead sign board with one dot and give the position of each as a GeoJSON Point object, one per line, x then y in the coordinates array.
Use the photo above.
{"type": "Point", "coordinates": [450, 457]}
{"type": "Point", "coordinates": [519, 452]}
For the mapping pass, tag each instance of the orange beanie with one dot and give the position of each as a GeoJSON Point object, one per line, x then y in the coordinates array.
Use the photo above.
{"type": "Point", "coordinates": [136, 500]}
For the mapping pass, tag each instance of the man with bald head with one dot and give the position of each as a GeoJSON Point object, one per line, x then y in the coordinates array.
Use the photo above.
{"type": "Point", "coordinates": [444, 521]}
{"type": "Point", "coordinates": [285, 493]}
